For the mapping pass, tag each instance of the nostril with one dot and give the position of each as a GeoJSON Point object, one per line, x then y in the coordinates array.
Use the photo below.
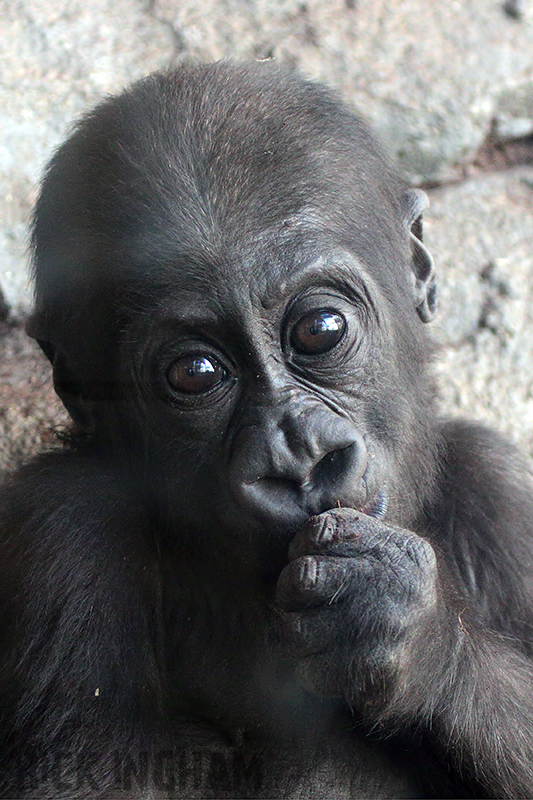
{"type": "Point", "coordinates": [284, 487]}
{"type": "Point", "coordinates": [278, 500]}
{"type": "Point", "coordinates": [332, 466]}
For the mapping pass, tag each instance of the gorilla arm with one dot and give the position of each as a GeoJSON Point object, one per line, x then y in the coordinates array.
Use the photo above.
{"type": "Point", "coordinates": [429, 638]}
{"type": "Point", "coordinates": [78, 577]}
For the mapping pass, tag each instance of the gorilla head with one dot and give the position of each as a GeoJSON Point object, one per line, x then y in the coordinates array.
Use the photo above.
{"type": "Point", "coordinates": [230, 284]}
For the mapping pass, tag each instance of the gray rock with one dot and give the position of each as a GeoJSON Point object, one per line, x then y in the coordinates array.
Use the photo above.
{"type": "Point", "coordinates": [513, 117]}
{"type": "Point", "coordinates": [431, 77]}
{"type": "Point", "coordinates": [30, 412]}
{"type": "Point", "coordinates": [481, 234]}
{"type": "Point", "coordinates": [56, 61]}
{"type": "Point", "coordinates": [506, 127]}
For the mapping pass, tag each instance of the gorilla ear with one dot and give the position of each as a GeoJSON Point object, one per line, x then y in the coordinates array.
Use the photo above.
{"type": "Point", "coordinates": [425, 287]}
{"type": "Point", "coordinates": [65, 386]}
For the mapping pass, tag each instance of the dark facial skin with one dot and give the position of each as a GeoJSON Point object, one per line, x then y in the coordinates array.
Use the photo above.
{"type": "Point", "coordinates": [266, 398]}
{"type": "Point", "coordinates": [270, 382]}
{"type": "Point", "coordinates": [261, 539]}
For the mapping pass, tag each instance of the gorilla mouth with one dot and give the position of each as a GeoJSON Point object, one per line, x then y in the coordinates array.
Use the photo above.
{"type": "Point", "coordinates": [286, 509]}
{"type": "Point", "coordinates": [276, 544]}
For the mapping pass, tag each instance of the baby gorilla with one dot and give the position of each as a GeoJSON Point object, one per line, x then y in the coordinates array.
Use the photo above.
{"type": "Point", "coordinates": [262, 566]}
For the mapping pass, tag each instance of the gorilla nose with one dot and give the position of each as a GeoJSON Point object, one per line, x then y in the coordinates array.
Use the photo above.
{"type": "Point", "coordinates": [337, 464]}
{"type": "Point", "coordinates": [301, 472]}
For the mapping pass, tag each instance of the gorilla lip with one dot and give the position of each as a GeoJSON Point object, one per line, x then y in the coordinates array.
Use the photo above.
{"type": "Point", "coordinates": [378, 504]}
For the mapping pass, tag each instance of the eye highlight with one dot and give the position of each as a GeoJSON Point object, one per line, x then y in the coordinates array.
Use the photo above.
{"type": "Point", "coordinates": [317, 332]}
{"type": "Point", "coordinates": [195, 373]}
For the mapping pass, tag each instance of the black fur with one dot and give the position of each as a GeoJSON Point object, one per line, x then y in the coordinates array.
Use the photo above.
{"type": "Point", "coordinates": [263, 566]}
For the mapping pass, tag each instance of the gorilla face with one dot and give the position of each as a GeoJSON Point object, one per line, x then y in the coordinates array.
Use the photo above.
{"type": "Point", "coordinates": [262, 398]}
{"type": "Point", "coordinates": [261, 384]}
{"type": "Point", "coordinates": [239, 298]}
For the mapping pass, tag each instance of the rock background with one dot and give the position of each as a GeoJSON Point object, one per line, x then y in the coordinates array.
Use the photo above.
{"type": "Point", "coordinates": [448, 85]}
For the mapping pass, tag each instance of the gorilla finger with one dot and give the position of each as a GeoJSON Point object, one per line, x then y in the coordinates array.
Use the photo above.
{"type": "Point", "coordinates": [309, 581]}
{"type": "Point", "coordinates": [340, 532]}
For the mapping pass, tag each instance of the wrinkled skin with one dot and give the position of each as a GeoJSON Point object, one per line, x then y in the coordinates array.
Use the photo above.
{"type": "Point", "coordinates": [355, 592]}
{"type": "Point", "coordinates": [263, 566]}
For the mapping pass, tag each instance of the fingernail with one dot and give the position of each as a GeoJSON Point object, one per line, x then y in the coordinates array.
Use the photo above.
{"type": "Point", "coordinates": [325, 533]}
{"type": "Point", "coordinates": [309, 572]}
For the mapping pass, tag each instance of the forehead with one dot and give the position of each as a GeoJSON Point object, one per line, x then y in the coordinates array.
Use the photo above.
{"type": "Point", "coordinates": [246, 259]}
{"type": "Point", "coordinates": [236, 232]}
{"type": "Point", "coordinates": [220, 154]}
{"type": "Point", "coordinates": [211, 175]}
{"type": "Point", "coordinates": [231, 270]}
{"type": "Point", "coordinates": [218, 290]}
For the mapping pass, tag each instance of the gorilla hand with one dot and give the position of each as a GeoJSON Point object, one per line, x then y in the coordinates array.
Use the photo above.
{"type": "Point", "coordinates": [353, 597]}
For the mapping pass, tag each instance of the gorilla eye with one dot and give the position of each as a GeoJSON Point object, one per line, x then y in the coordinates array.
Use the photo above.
{"type": "Point", "coordinates": [195, 374]}
{"type": "Point", "coordinates": [318, 332]}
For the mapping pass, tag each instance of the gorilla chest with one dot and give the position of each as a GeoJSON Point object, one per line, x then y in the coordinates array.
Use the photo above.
{"type": "Point", "coordinates": [330, 766]}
